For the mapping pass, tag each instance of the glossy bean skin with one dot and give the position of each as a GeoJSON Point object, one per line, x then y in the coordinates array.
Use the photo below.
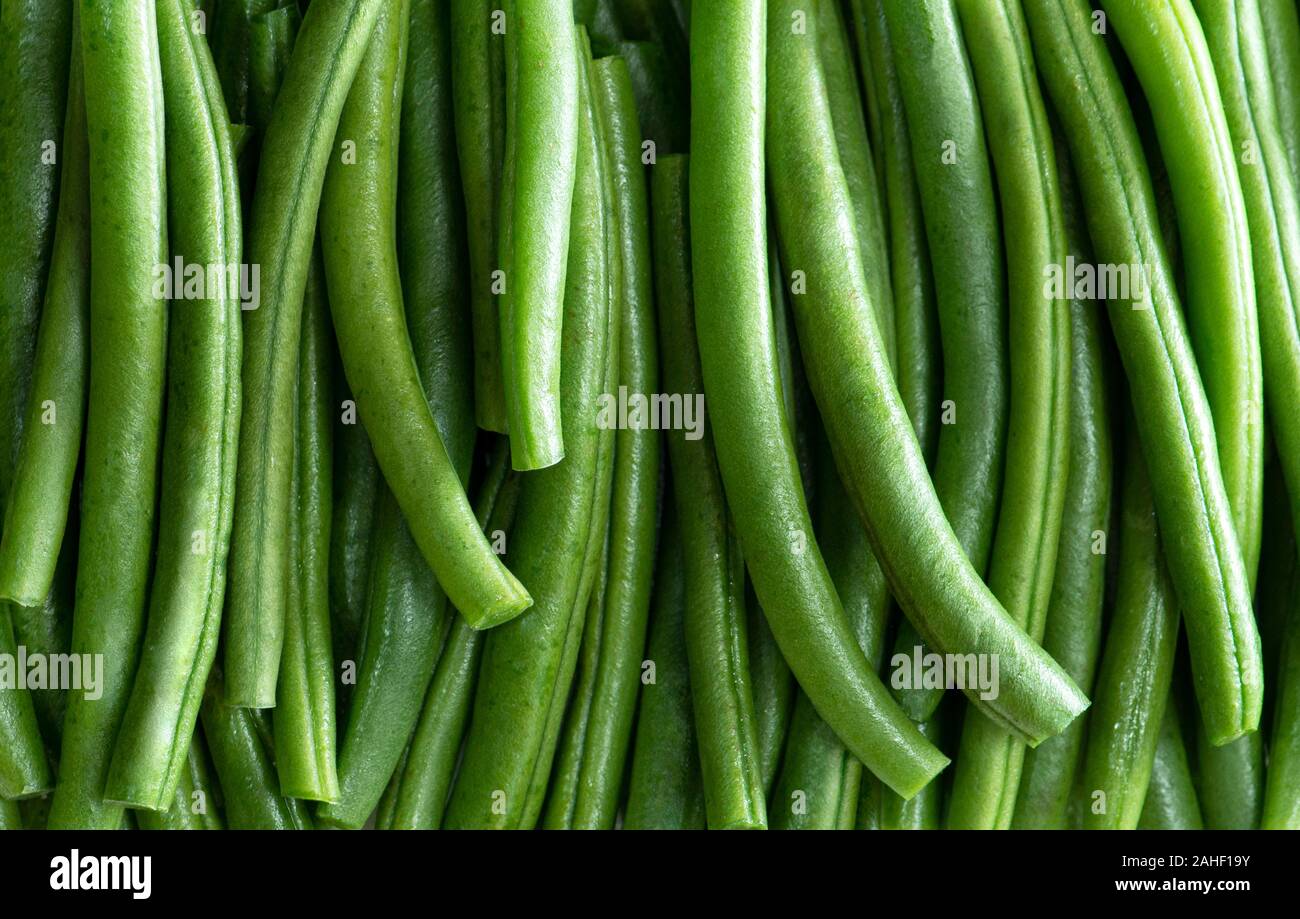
{"type": "Point", "coordinates": [952, 169]}
{"type": "Point", "coordinates": [243, 756]}
{"type": "Point", "coordinates": [850, 376]}
{"type": "Point", "coordinates": [1074, 617]}
{"type": "Point", "coordinates": [665, 791]}
{"type": "Point", "coordinates": [294, 155]}
{"type": "Point", "coordinates": [1023, 564]}
{"type": "Point", "coordinates": [194, 804]}
{"type": "Point", "coordinates": [128, 325]}
{"type": "Point", "coordinates": [1281, 33]}
{"type": "Point", "coordinates": [39, 484]}
{"type": "Point", "coordinates": [1136, 666]}
{"type": "Point", "coordinates": [595, 755]}
{"type": "Point", "coordinates": [1173, 416]}
{"type": "Point", "coordinates": [714, 621]}
{"type": "Point", "coordinates": [24, 772]}
{"type": "Point", "coordinates": [1170, 802]}
{"type": "Point", "coordinates": [1281, 803]}
{"type": "Point", "coordinates": [202, 431]}
{"type": "Point", "coordinates": [541, 137]}
{"type": "Point", "coordinates": [526, 673]}
{"type": "Point", "coordinates": [478, 77]}
{"type": "Point", "coordinates": [231, 49]}
{"type": "Point", "coordinates": [1167, 47]}
{"type": "Point", "coordinates": [270, 47]}
{"type": "Point", "coordinates": [305, 720]}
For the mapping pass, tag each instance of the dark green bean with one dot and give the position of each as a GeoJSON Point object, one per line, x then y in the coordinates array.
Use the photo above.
{"type": "Point", "coordinates": [662, 98]}
{"type": "Point", "coordinates": [666, 791]}
{"type": "Point", "coordinates": [536, 197]}
{"type": "Point", "coordinates": [128, 240]}
{"type": "Point", "coordinates": [230, 39]}
{"type": "Point", "coordinates": [1281, 803]}
{"type": "Point", "coordinates": [1232, 782]}
{"type": "Point", "coordinates": [1281, 32]}
{"type": "Point", "coordinates": [24, 773]}
{"type": "Point", "coordinates": [523, 678]}
{"type": "Point", "coordinates": [1170, 802]}
{"type": "Point", "coordinates": [295, 153]}
{"type": "Point", "coordinates": [270, 47]}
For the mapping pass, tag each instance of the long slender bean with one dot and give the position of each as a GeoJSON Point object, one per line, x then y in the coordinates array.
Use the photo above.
{"type": "Point", "coordinates": [1173, 416]}
{"type": "Point", "coordinates": [295, 153]}
{"type": "Point", "coordinates": [536, 198]}
{"type": "Point", "coordinates": [128, 239]}
{"type": "Point", "coordinates": [1281, 33]}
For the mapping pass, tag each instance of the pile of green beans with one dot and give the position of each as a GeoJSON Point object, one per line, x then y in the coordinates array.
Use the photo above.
{"type": "Point", "coordinates": [729, 414]}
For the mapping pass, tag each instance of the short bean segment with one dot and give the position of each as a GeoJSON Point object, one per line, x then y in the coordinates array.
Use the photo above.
{"type": "Point", "coordinates": [1173, 416]}
{"type": "Point", "coordinates": [666, 791]}
{"type": "Point", "coordinates": [961, 222]}
{"type": "Point", "coordinates": [478, 78]}
{"type": "Point", "coordinates": [1136, 666]}
{"type": "Point", "coordinates": [593, 758]}
{"type": "Point", "coordinates": [199, 450]}
{"type": "Point", "coordinates": [1023, 566]}
{"type": "Point", "coordinates": [526, 674]}
{"type": "Point", "coordinates": [871, 435]}
{"type": "Point", "coordinates": [536, 198]}
{"type": "Point", "coordinates": [714, 619]}
{"type": "Point", "coordinates": [1074, 618]}
{"type": "Point", "coordinates": [128, 239]}
{"type": "Point", "coordinates": [295, 153]}
{"type": "Point", "coordinates": [1170, 802]}
{"type": "Point", "coordinates": [39, 492]}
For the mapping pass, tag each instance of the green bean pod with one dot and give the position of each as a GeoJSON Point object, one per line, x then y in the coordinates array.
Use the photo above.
{"type": "Point", "coordinates": [665, 791]}
{"type": "Point", "coordinates": [1169, 52]}
{"type": "Point", "coordinates": [128, 240]}
{"type": "Point", "coordinates": [541, 138]}
{"type": "Point", "coordinates": [243, 756]}
{"type": "Point", "coordinates": [271, 37]}
{"type": "Point", "coordinates": [717, 649]}
{"type": "Point", "coordinates": [1281, 803]}
{"type": "Point", "coordinates": [40, 487]}
{"type": "Point", "coordinates": [876, 452]}
{"type": "Point", "coordinates": [526, 674]}
{"type": "Point", "coordinates": [1170, 802]}
{"type": "Point", "coordinates": [231, 41]}
{"type": "Point", "coordinates": [478, 77]}
{"type": "Point", "coordinates": [1281, 33]}
{"type": "Point", "coordinates": [961, 222]}
{"type": "Point", "coordinates": [820, 779]}
{"type": "Point", "coordinates": [47, 629]}
{"type": "Point", "coordinates": [194, 804]}
{"type": "Point", "coordinates": [1074, 617]}
{"type": "Point", "coordinates": [11, 818]}
{"type": "Point", "coordinates": [662, 98]}
{"type": "Point", "coordinates": [198, 474]}
{"type": "Point", "coordinates": [35, 40]}
{"type": "Point", "coordinates": [595, 756]}
{"type": "Point", "coordinates": [990, 760]}
{"type": "Point", "coordinates": [295, 153]}
{"type": "Point", "coordinates": [1173, 415]}
{"type": "Point", "coordinates": [848, 119]}
{"type": "Point", "coordinates": [1232, 782]}
{"type": "Point", "coordinates": [24, 772]}
{"type": "Point", "coordinates": [1136, 666]}
{"type": "Point", "coordinates": [305, 720]}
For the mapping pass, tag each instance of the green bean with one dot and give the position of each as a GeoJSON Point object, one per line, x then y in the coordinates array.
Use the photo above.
{"type": "Point", "coordinates": [128, 239]}
{"type": "Point", "coordinates": [869, 803]}
{"type": "Point", "coordinates": [24, 772]}
{"type": "Point", "coordinates": [421, 784]}
{"type": "Point", "coordinates": [1074, 617]}
{"type": "Point", "coordinates": [856, 159]}
{"type": "Point", "coordinates": [305, 718]}
{"type": "Point", "coordinates": [243, 755]}
{"type": "Point", "coordinates": [193, 806]}
{"type": "Point", "coordinates": [1281, 803]}
{"type": "Point", "coordinates": [11, 818]}
{"type": "Point", "coordinates": [230, 30]}
{"type": "Point", "coordinates": [47, 629]}
{"type": "Point", "coordinates": [655, 21]}
{"type": "Point", "coordinates": [596, 753]}
{"type": "Point", "coordinates": [478, 77]}
{"type": "Point", "coordinates": [1170, 802]}
{"type": "Point", "coordinates": [890, 488]}
{"type": "Point", "coordinates": [270, 48]}
{"type": "Point", "coordinates": [1232, 782]}
{"type": "Point", "coordinates": [34, 49]}
{"type": "Point", "coordinates": [525, 673]}
{"type": "Point", "coordinates": [731, 759]}
{"type": "Point", "coordinates": [1281, 33]}
{"type": "Point", "coordinates": [602, 21]}
{"type": "Point", "coordinates": [662, 98]}
{"type": "Point", "coordinates": [198, 472]}
{"type": "Point", "coordinates": [922, 811]}
{"type": "Point", "coordinates": [819, 782]}
{"type": "Point", "coordinates": [665, 791]}
{"type": "Point", "coordinates": [990, 760]}
{"type": "Point", "coordinates": [1174, 422]}
{"type": "Point", "coordinates": [39, 484]}
{"type": "Point", "coordinates": [961, 221]}
{"type": "Point", "coordinates": [536, 198]}
{"type": "Point", "coordinates": [1169, 52]}
{"type": "Point", "coordinates": [1136, 666]}
{"type": "Point", "coordinates": [295, 153]}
